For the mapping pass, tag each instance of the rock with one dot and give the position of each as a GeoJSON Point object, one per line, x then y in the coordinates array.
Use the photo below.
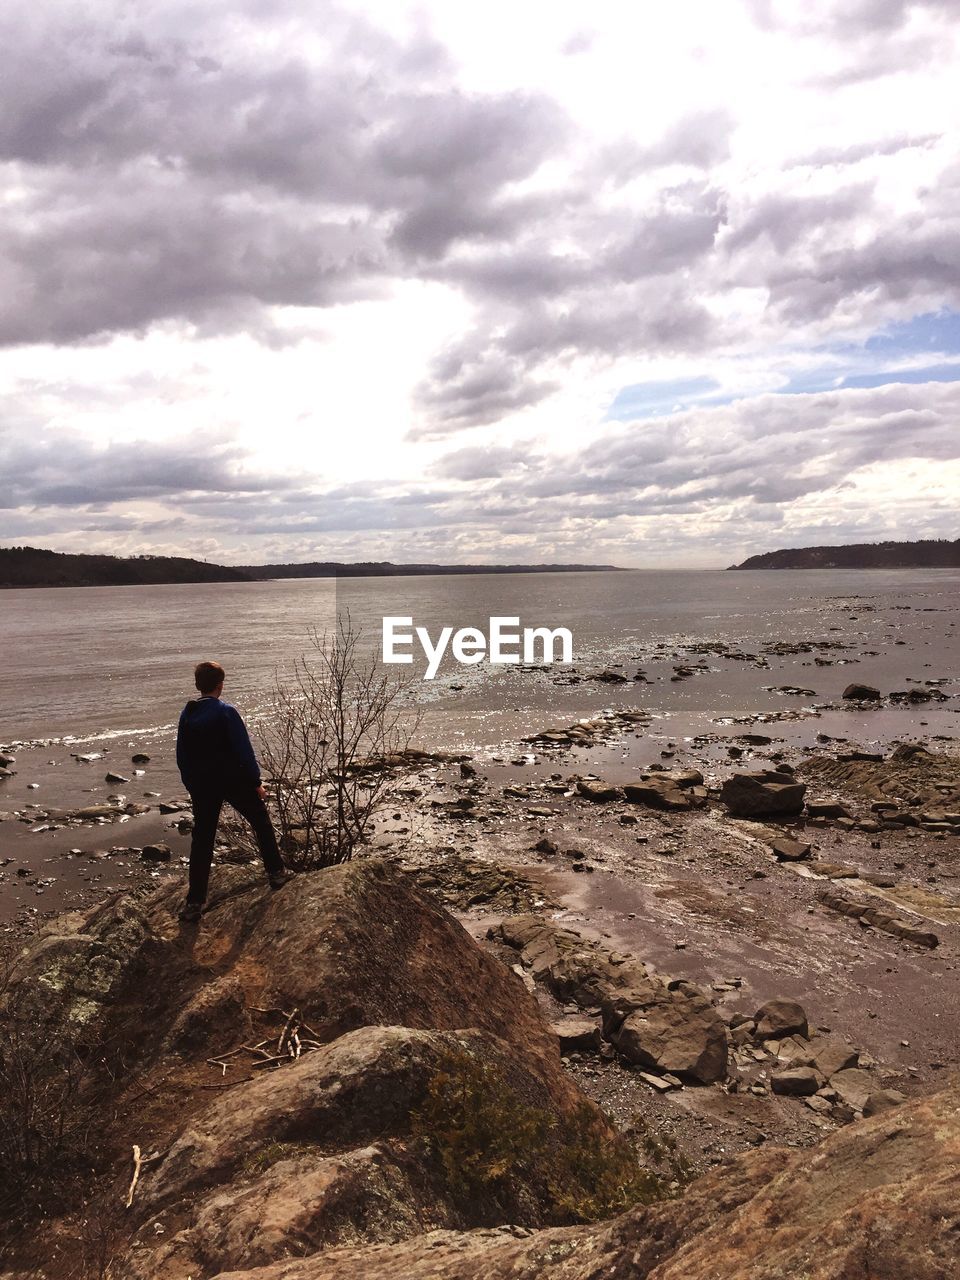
{"type": "Point", "coordinates": [598, 792]}
{"type": "Point", "coordinates": [140, 758]}
{"type": "Point", "coordinates": [661, 1084]}
{"type": "Point", "coordinates": [853, 1086]}
{"type": "Point", "coordinates": [790, 850]}
{"type": "Point", "coordinates": [761, 795]}
{"type": "Point", "coordinates": [667, 1025]}
{"type": "Point", "coordinates": [659, 794]}
{"type": "Point", "coordinates": [862, 693]}
{"type": "Point", "coordinates": [405, 1012]}
{"type": "Point", "coordinates": [609, 677]}
{"type": "Point", "coordinates": [779, 1018]}
{"type": "Point", "coordinates": [115, 777]}
{"type": "Point", "coordinates": [684, 1036]}
{"type": "Point", "coordinates": [796, 1082]}
{"type": "Point", "coordinates": [545, 845]}
{"type": "Point", "coordinates": [832, 1054]}
{"type": "Point", "coordinates": [684, 778]}
{"type": "Point", "coordinates": [883, 1100]}
{"type": "Point", "coordinates": [7, 761]}
{"type": "Point", "coordinates": [826, 809]}
{"type": "Point", "coordinates": [155, 853]}
{"type": "Point", "coordinates": [909, 751]}
{"type": "Point", "coordinates": [577, 1035]}
{"type": "Point", "coordinates": [873, 1199]}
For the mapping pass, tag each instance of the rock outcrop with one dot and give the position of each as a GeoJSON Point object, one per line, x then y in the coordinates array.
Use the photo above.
{"type": "Point", "coordinates": [878, 1199]}
{"type": "Point", "coordinates": [424, 1087]}
{"type": "Point", "coordinates": [666, 1025]}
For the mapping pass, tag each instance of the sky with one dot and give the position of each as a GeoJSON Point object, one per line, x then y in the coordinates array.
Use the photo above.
{"type": "Point", "coordinates": [658, 285]}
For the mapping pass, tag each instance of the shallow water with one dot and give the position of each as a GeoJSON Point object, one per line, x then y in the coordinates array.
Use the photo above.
{"type": "Point", "coordinates": [98, 661]}
{"type": "Point", "coordinates": [108, 669]}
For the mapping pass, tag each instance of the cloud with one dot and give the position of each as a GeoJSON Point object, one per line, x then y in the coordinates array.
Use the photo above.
{"type": "Point", "coordinates": [575, 269]}
{"type": "Point", "coordinates": [53, 468]}
{"type": "Point", "coordinates": [206, 180]}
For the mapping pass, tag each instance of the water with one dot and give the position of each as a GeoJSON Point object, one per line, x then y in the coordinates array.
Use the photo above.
{"type": "Point", "coordinates": [107, 670]}
{"type": "Point", "coordinates": [89, 662]}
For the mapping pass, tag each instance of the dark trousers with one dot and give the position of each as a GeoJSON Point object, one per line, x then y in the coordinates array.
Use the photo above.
{"type": "Point", "coordinates": [206, 815]}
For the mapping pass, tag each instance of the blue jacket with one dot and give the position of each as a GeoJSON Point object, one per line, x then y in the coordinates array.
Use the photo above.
{"type": "Point", "coordinates": [214, 752]}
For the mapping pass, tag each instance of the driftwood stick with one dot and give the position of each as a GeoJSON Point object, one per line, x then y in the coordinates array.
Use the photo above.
{"type": "Point", "coordinates": [271, 1062]}
{"type": "Point", "coordinates": [137, 1162]}
{"type": "Point", "coordinates": [230, 1053]}
{"type": "Point", "coordinates": [288, 1029]}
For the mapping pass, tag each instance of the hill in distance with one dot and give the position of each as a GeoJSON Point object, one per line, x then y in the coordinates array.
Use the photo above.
{"type": "Point", "coordinates": [36, 567]}
{"type": "Point", "coordinates": [932, 554]}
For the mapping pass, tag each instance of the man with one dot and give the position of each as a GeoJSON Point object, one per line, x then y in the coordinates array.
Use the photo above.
{"type": "Point", "coordinates": [217, 763]}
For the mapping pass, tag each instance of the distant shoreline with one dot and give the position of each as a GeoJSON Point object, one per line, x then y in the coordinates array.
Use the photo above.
{"type": "Point", "coordinates": [35, 567]}
{"type": "Point", "coordinates": [923, 554]}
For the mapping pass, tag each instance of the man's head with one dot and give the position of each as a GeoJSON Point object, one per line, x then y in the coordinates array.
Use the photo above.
{"type": "Point", "coordinates": [209, 677]}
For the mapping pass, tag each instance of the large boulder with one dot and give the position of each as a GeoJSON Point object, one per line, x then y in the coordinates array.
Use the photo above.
{"type": "Point", "coordinates": [779, 1018]}
{"type": "Point", "coordinates": [763, 795]}
{"type": "Point", "coordinates": [428, 1086]}
{"type": "Point", "coordinates": [332, 1149]}
{"type": "Point", "coordinates": [683, 1034]}
{"type": "Point", "coordinates": [350, 946]}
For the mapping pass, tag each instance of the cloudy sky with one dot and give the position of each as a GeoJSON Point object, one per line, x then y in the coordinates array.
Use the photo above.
{"type": "Point", "coordinates": [651, 284]}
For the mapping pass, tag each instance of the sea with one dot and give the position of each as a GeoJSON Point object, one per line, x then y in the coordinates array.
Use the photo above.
{"type": "Point", "coordinates": [91, 663]}
{"type": "Point", "coordinates": [106, 670]}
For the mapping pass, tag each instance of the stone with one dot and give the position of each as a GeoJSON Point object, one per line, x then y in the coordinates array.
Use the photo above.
{"type": "Point", "coordinates": [761, 795]}
{"type": "Point", "coordinates": [883, 1100]}
{"type": "Point", "coordinates": [661, 1084]}
{"type": "Point", "coordinates": [779, 1018]}
{"type": "Point", "coordinates": [827, 809]}
{"type": "Point", "coordinates": [796, 1082]}
{"type": "Point", "coordinates": [790, 850]}
{"type": "Point", "coordinates": [577, 1035]}
{"type": "Point", "coordinates": [115, 777]}
{"type": "Point", "coordinates": [878, 1198]}
{"type": "Point", "coordinates": [155, 853]}
{"type": "Point", "coordinates": [831, 1054]}
{"type": "Point", "coordinates": [659, 794]}
{"type": "Point", "coordinates": [669, 1026]}
{"type": "Point", "coordinates": [683, 1037]}
{"type": "Point", "coordinates": [140, 758]}
{"type": "Point", "coordinates": [598, 792]}
{"type": "Point", "coordinates": [862, 693]}
{"type": "Point", "coordinates": [853, 1086]}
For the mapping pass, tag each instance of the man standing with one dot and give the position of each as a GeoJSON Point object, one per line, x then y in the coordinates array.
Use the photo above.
{"type": "Point", "coordinates": [217, 762]}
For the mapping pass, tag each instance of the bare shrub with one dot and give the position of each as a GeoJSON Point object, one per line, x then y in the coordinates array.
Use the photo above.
{"type": "Point", "coordinates": [46, 1125]}
{"type": "Point", "coordinates": [337, 723]}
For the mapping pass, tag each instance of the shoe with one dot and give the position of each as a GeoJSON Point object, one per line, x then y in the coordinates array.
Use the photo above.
{"type": "Point", "coordinates": [190, 912]}
{"type": "Point", "coordinates": [280, 879]}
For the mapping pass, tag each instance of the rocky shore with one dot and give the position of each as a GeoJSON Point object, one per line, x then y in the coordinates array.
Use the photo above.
{"type": "Point", "coordinates": [607, 999]}
{"type": "Point", "coordinates": [684, 1020]}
